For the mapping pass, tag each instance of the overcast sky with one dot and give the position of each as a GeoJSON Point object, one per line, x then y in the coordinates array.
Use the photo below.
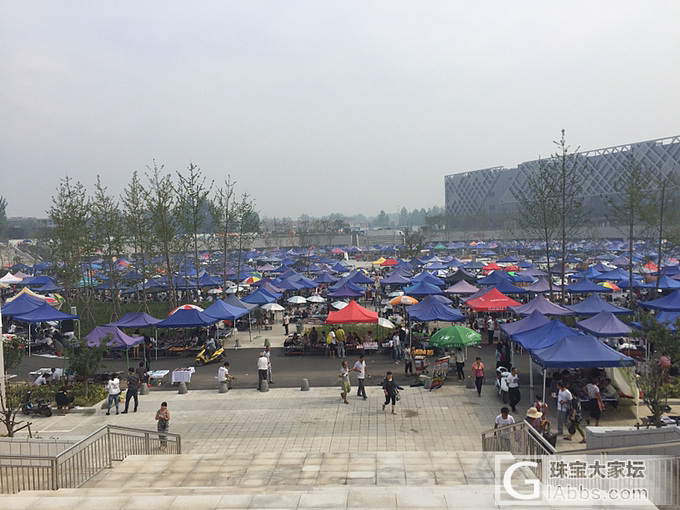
{"type": "Point", "coordinates": [321, 107]}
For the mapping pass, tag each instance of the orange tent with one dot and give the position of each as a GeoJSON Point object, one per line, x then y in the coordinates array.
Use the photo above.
{"type": "Point", "coordinates": [353, 313]}
{"type": "Point", "coordinates": [492, 301]}
{"type": "Point", "coordinates": [651, 266]}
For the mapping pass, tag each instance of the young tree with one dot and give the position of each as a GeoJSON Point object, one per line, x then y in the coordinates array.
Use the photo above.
{"type": "Point", "coordinates": [628, 207]}
{"type": "Point", "coordinates": [223, 209]}
{"type": "Point", "coordinates": [162, 201]}
{"type": "Point", "coordinates": [107, 227]}
{"type": "Point", "coordinates": [193, 198]}
{"type": "Point", "coordinates": [10, 405]}
{"type": "Point", "coordinates": [85, 360]}
{"type": "Point", "coordinates": [3, 218]}
{"type": "Point", "coordinates": [138, 225]}
{"type": "Point", "coordinates": [247, 223]}
{"type": "Point", "coordinates": [70, 214]}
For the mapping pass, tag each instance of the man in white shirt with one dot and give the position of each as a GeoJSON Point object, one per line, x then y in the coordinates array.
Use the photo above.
{"type": "Point", "coordinates": [267, 352]}
{"type": "Point", "coordinates": [360, 369]}
{"type": "Point", "coordinates": [43, 378]}
{"type": "Point", "coordinates": [502, 420]}
{"type": "Point", "coordinates": [262, 369]}
{"type": "Point", "coordinates": [114, 393]}
{"type": "Point", "coordinates": [564, 397]}
{"type": "Point", "coordinates": [223, 374]}
{"type": "Point", "coordinates": [514, 395]}
{"type": "Point", "coordinates": [460, 364]}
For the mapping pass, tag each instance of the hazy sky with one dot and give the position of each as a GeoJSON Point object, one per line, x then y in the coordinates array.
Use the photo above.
{"type": "Point", "coordinates": [320, 107]}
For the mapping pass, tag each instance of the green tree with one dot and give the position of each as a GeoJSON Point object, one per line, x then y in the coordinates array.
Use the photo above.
{"type": "Point", "coordinates": [193, 199]}
{"type": "Point", "coordinates": [85, 360]}
{"type": "Point", "coordinates": [627, 209]}
{"type": "Point", "coordinates": [223, 209]}
{"type": "Point", "coordinates": [71, 239]}
{"type": "Point", "coordinates": [3, 218]}
{"type": "Point", "coordinates": [161, 202]}
{"type": "Point", "coordinates": [138, 226]}
{"type": "Point", "coordinates": [382, 220]}
{"type": "Point", "coordinates": [247, 224]}
{"type": "Point", "coordinates": [107, 229]}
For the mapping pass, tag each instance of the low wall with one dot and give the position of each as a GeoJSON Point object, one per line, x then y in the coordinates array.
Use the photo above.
{"type": "Point", "coordinates": [620, 437]}
{"type": "Point", "coordinates": [37, 447]}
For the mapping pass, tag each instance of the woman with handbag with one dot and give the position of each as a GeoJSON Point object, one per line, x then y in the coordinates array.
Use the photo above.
{"type": "Point", "coordinates": [391, 391]}
{"type": "Point", "coordinates": [575, 417]}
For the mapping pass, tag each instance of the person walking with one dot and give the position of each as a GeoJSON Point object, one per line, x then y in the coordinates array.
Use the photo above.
{"type": "Point", "coordinates": [501, 421]}
{"type": "Point", "coordinates": [163, 419]}
{"type": "Point", "coordinates": [262, 369]}
{"type": "Point", "coordinates": [142, 373]}
{"type": "Point", "coordinates": [489, 329]}
{"type": "Point", "coordinates": [360, 369]}
{"type": "Point", "coordinates": [514, 395]}
{"type": "Point", "coordinates": [344, 379]}
{"type": "Point", "coordinates": [460, 363]}
{"type": "Point", "coordinates": [594, 401]}
{"type": "Point", "coordinates": [408, 361]}
{"type": "Point", "coordinates": [574, 416]}
{"type": "Point", "coordinates": [114, 392]}
{"type": "Point", "coordinates": [268, 353]}
{"type": "Point", "coordinates": [391, 391]}
{"type": "Point", "coordinates": [478, 373]}
{"type": "Point", "coordinates": [133, 384]}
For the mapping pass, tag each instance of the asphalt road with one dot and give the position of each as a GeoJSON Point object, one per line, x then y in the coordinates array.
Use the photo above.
{"type": "Point", "coordinates": [287, 371]}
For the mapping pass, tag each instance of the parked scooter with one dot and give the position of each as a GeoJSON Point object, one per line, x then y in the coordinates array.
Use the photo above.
{"type": "Point", "coordinates": [43, 407]}
{"type": "Point", "coordinates": [502, 382]}
{"type": "Point", "coordinates": [202, 357]}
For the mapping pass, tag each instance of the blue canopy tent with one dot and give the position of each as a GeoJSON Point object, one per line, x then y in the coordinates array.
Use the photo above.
{"type": "Point", "coordinates": [669, 303]}
{"type": "Point", "coordinates": [543, 305]}
{"type": "Point", "coordinates": [603, 325]}
{"type": "Point", "coordinates": [346, 290]}
{"type": "Point", "coordinates": [594, 304]}
{"type": "Point", "coordinates": [22, 304]}
{"type": "Point", "coordinates": [422, 289]}
{"type": "Point", "coordinates": [507, 287]}
{"type": "Point", "coordinates": [135, 320]}
{"type": "Point", "coordinates": [430, 309]}
{"type": "Point", "coordinates": [395, 278]}
{"type": "Point", "coordinates": [544, 336]}
{"type": "Point", "coordinates": [221, 310]}
{"type": "Point", "coordinates": [614, 275]}
{"type": "Point", "coordinates": [540, 286]}
{"type": "Point", "coordinates": [582, 351]}
{"type": "Point", "coordinates": [665, 283]}
{"type": "Point", "coordinates": [187, 318]}
{"type": "Point", "coordinates": [43, 313]}
{"type": "Point", "coordinates": [586, 286]}
{"type": "Point", "coordinates": [261, 297]}
{"type": "Point", "coordinates": [119, 340]}
{"type": "Point", "coordinates": [426, 277]}
{"type": "Point", "coordinates": [495, 278]}
{"type": "Point", "coordinates": [461, 288]}
{"type": "Point", "coordinates": [359, 278]}
{"type": "Point", "coordinates": [325, 277]}
{"type": "Point", "coordinates": [532, 321]}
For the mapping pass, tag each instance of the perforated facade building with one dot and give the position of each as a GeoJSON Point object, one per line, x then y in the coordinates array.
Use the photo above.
{"type": "Point", "coordinates": [489, 191]}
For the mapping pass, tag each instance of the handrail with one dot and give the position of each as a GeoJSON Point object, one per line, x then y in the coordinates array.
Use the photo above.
{"type": "Point", "coordinates": [518, 438]}
{"type": "Point", "coordinates": [627, 449]}
{"type": "Point", "coordinates": [81, 461]}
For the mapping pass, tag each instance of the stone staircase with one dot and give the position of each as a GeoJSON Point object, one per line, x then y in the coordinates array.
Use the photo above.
{"type": "Point", "coordinates": [389, 480]}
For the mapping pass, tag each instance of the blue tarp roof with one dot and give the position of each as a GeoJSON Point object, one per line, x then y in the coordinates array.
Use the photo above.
{"type": "Point", "coordinates": [669, 303]}
{"type": "Point", "coordinates": [346, 290]}
{"type": "Point", "coordinates": [535, 320]}
{"type": "Point", "coordinates": [594, 304]}
{"type": "Point", "coordinates": [44, 313]}
{"type": "Point", "coordinates": [586, 286]}
{"type": "Point", "coordinates": [422, 289]}
{"type": "Point", "coordinates": [430, 309]}
{"type": "Point", "coordinates": [604, 324]}
{"type": "Point", "coordinates": [224, 311]}
{"type": "Point", "coordinates": [186, 319]}
{"type": "Point", "coordinates": [119, 340]}
{"type": "Point", "coordinates": [22, 304]}
{"type": "Point", "coordinates": [507, 287]}
{"type": "Point", "coordinates": [543, 305]}
{"type": "Point", "coordinates": [580, 352]}
{"type": "Point", "coordinates": [544, 336]}
{"type": "Point", "coordinates": [135, 320]}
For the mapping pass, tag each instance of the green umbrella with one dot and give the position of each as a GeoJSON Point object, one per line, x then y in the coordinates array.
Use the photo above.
{"type": "Point", "coordinates": [455, 336]}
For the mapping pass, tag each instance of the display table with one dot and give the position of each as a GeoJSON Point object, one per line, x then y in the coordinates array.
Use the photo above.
{"type": "Point", "coordinates": [37, 373]}
{"type": "Point", "coordinates": [182, 374]}
{"type": "Point", "coordinates": [157, 376]}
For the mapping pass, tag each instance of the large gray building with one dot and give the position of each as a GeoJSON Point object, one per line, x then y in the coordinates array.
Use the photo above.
{"type": "Point", "coordinates": [489, 193]}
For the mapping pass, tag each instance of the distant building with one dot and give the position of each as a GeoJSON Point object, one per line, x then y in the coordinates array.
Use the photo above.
{"type": "Point", "coordinates": [485, 197]}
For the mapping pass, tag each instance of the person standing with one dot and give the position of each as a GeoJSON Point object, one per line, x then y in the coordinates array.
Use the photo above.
{"type": "Point", "coordinates": [460, 364]}
{"type": "Point", "coordinates": [331, 343]}
{"type": "Point", "coordinates": [223, 374]}
{"type": "Point", "coordinates": [262, 369]}
{"type": "Point", "coordinates": [478, 374]}
{"type": "Point", "coordinates": [114, 392]}
{"type": "Point", "coordinates": [286, 322]}
{"type": "Point", "coordinates": [514, 395]}
{"type": "Point", "coordinates": [341, 338]}
{"type": "Point", "coordinates": [408, 361]}
{"type": "Point", "coordinates": [163, 419]}
{"type": "Point", "coordinates": [564, 398]}
{"type": "Point", "coordinates": [268, 353]}
{"type": "Point", "coordinates": [489, 329]}
{"type": "Point", "coordinates": [391, 391]}
{"type": "Point", "coordinates": [142, 373]}
{"type": "Point", "coordinates": [503, 420]}
{"type": "Point", "coordinates": [360, 369]}
{"type": "Point", "coordinates": [344, 379]}
{"type": "Point", "coordinates": [594, 400]}
{"type": "Point", "coordinates": [133, 384]}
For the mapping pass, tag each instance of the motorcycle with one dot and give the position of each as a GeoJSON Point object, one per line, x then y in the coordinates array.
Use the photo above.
{"type": "Point", "coordinates": [43, 407]}
{"type": "Point", "coordinates": [502, 382]}
{"type": "Point", "coordinates": [202, 357]}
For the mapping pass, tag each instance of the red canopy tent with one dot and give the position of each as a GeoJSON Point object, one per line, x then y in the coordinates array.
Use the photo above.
{"type": "Point", "coordinates": [492, 267]}
{"type": "Point", "coordinates": [353, 313]}
{"type": "Point", "coordinates": [511, 267]}
{"type": "Point", "coordinates": [390, 262]}
{"type": "Point", "coordinates": [492, 301]}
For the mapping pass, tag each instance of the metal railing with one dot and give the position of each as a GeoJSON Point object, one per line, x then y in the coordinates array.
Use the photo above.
{"type": "Point", "coordinates": [519, 439]}
{"type": "Point", "coordinates": [81, 461]}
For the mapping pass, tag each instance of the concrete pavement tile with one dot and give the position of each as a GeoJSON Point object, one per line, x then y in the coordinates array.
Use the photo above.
{"type": "Point", "coordinates": [235, 501]}
{"type": "Point", "coordinates": [362, 499]}
{"type": "Point", "coordinates": [329, 499]}
{"type": "Point", "coordinates": [197, 501]}
{"type": "Point", "coordinates": [415, 497]}
{"type": "Point", "coordinates": [16, 502]}
{"type": "Point", "coordinates": [275, 500]}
